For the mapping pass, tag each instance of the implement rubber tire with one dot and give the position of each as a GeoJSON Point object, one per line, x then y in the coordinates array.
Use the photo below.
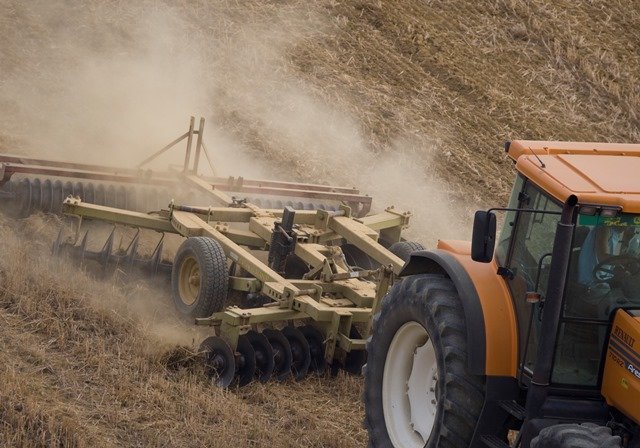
{"type": "Point", "coordinates": [587, 435]}
{"type": "Point", "coordinates": [427, 303]}
{"type": "Point", "coordinates": [404, 249]}
{"type": "Point", "coordinates": [205, 258]}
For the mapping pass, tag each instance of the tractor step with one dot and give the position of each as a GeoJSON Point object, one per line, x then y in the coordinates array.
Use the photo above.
{"type": "Point", "coordinates": [514, 409]}
{"type": "Point", "coordinates": [493, 441]}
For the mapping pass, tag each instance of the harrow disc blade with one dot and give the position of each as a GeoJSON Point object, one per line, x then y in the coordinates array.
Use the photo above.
{"type": "Point", "coordinates": [67, 190]}
{"type": "Point", "coordinates": [57, 196]}
{"type": "Point", "coordinates": [100, 195]}
{"type": "Point", "coordinates": [300, 353]}
{"type": "Point", "coordinates": [263, 355]}
{"type": "Point", "coordinates": [282, 357]}
{"type": "Point", "coordinates": [47, 195]}
{"type": "Point", "coordinates": [89, 193]}
{"type": "Point", "coordinates": [219, 360]}
{"type": "Point", "coordinates": [22, 205]}
{"type": "Point", "coordinates": [78, 190]}
{"type": "Point", "coordinates": [245, 361]}
{"type": "Point", "coordinates": [315, 339]}
{"type": "Point", "coordinates": [36, 195]}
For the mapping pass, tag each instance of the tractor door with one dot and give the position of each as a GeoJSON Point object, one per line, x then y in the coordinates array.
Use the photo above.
{"type": "Point", "coordinates": [524, 253]}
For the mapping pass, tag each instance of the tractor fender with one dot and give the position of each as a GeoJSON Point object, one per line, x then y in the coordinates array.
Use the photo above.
{"type": "Point", "coordinates": [491, 325]}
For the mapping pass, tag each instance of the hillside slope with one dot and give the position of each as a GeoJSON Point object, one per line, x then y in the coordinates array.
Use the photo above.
{"type": "Point", "coordinates": [473, 74]}
{"type": "Point", "coordinates": [408, 100]}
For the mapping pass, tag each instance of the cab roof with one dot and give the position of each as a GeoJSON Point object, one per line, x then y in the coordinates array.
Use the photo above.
{"type": "Point", "coordinates": [597, 173]}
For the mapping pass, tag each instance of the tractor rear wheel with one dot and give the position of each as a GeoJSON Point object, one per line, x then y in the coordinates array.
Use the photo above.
{"type": "Point", "coordinates": [199, 277]}
{"type": "Point", "coordinates": [587, 435]}
{"type": "Point", "coordinates": [417, 389]}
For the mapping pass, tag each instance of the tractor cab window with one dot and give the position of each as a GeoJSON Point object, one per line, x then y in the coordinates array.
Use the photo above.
{"type": "Point", "coordinates": [604, 274]}
{"type": "Point", "coordinates": [524, 250]}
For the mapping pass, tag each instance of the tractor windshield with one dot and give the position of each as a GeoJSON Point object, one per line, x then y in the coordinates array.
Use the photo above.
{"type": "Point", "coordinates": [604, 274]}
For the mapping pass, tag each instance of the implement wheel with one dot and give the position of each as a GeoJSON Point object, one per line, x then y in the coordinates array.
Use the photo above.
{"type": "Point", "coordinates": [404, 249]}
{"type": "Point", "coordinates": [418, 392]}
{"type": "Point", "coordinates": [199, 277]}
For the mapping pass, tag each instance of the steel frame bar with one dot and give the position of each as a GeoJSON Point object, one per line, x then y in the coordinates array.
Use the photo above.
{"type": "Point", "coordinates": [356, 233]}
{"type": "Point", "coordinates": [239, 182]}
{"type": "Point", "coordinates": [20, 160]}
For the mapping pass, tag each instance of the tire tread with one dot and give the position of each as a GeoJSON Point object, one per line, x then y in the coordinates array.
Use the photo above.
{"type": "Point", "coordinates": [213, 273]}
{"type": "Point", "coordinates": [435, 296]}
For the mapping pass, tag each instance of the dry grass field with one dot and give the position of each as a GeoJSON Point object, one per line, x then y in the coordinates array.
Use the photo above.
{"type": "Point", "coordinates": [408, 100]}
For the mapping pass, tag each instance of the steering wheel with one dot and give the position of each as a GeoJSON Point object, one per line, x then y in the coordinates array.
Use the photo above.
{"type": "Point", "coordinates": [616, 268]}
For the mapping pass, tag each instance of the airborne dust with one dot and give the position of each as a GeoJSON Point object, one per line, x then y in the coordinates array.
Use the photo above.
{"type": "Point", "coordinates": [110, 83]}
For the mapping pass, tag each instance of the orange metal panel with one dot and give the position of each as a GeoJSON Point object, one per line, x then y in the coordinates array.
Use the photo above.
{"type": "Point", "coordinates": [497, 307]}
{"type": "Point", "coordinates": [606, 172]}
{"type": "Point", "coordinates": [520, 147]}
{"type": "Point", "coordinates": [621, 381]}
{"type": "Point", "coordinates": [597, 173]}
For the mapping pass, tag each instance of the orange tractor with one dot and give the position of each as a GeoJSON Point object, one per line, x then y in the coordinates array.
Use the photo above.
{"type": "Point", "coordinates": [530, 338]}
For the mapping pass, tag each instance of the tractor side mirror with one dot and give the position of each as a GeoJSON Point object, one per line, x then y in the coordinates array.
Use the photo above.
{"type": "Point", "coordinates": [483, 241]}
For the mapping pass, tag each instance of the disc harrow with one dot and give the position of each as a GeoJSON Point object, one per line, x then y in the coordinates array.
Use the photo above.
{"type": "Point", "coordinates": [305, 278]}
{"type": "Point", "coordinates": [307, 262]}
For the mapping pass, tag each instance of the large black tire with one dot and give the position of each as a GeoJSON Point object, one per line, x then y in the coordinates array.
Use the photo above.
{"type": "Point", "coordinates": [587, 435]}
{"type": "Point", "coordinates": [404, 249]}
{"type": "Point", "coordinates": [426, 303]}
{"type": "Point", "coordinates": [203, 260]}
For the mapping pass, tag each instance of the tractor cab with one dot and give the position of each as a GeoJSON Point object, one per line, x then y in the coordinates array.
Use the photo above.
{"type": "Point", "coordinates": [603, 275]}
{"type": "Point", "coordinates": [531, 331]}
{"type": "Point", "coordinates": [569, 251]}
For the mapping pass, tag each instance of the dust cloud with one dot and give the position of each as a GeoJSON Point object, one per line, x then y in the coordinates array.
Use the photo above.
{"type": "Point", "coordinates": [110, 82]}
{"type": "Point", "coordinates": [97, 82]}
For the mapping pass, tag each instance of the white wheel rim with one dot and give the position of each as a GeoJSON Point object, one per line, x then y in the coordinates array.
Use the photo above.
{"type": "Point", "coordinates": [409, 387]}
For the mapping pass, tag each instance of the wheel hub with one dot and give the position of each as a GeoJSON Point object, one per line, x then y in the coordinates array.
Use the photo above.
{"type": "Point", "coordinates": [189, 285]}
{"type": "Point", "coordinates": [409, 387]}
{"type": "Point", "coordinates": [423, 408]}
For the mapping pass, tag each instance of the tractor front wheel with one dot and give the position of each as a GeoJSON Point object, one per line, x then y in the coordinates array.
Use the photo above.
{"type": "Point", "coordinates": [417, 389]}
